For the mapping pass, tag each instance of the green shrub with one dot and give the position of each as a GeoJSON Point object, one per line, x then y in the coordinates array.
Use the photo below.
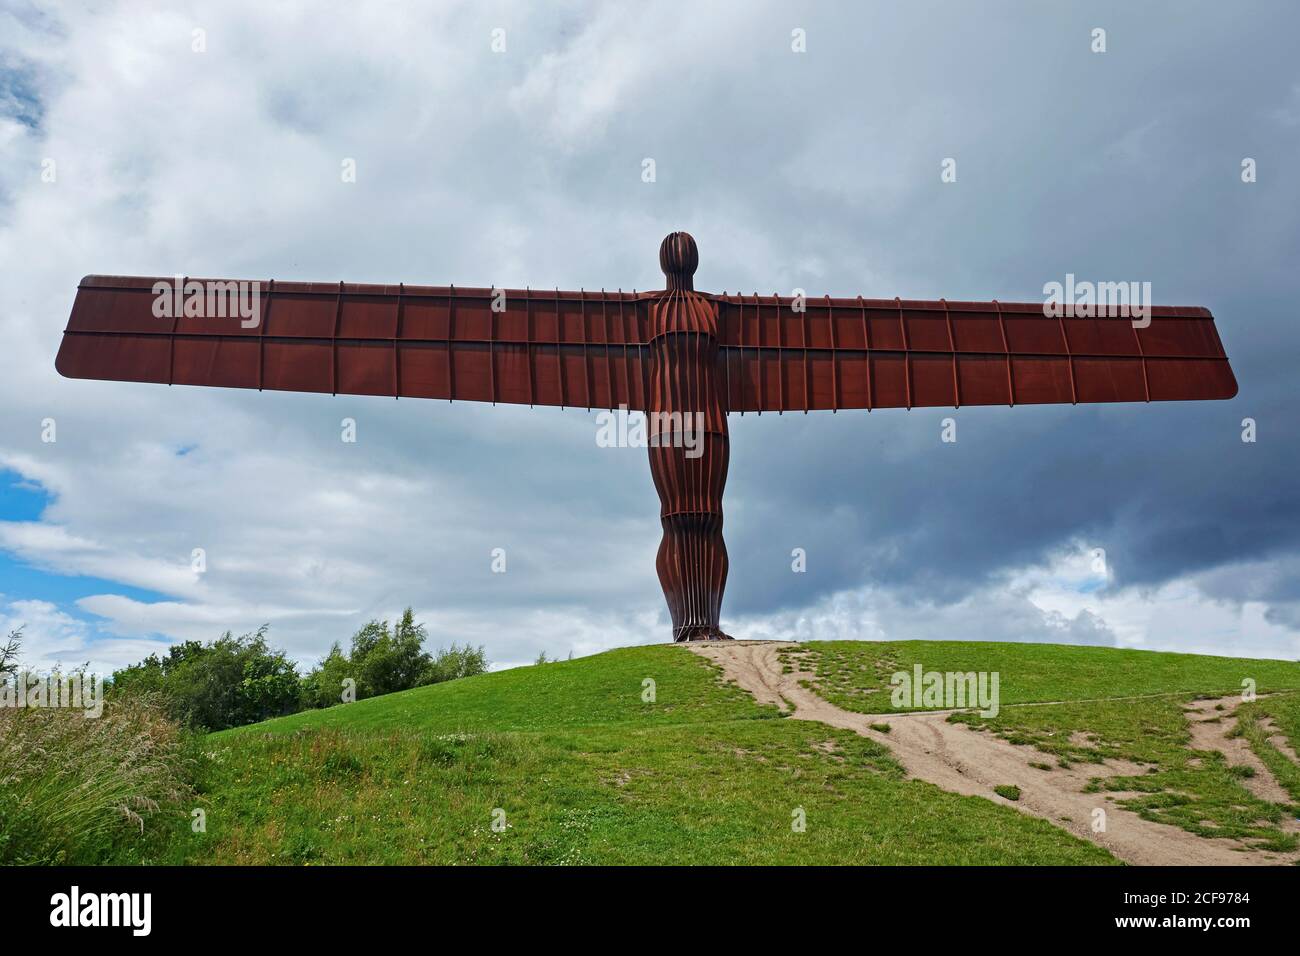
{"type": "Point", "coordinates": [455, 662]}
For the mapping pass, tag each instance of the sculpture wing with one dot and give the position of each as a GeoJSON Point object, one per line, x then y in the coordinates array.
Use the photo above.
{"type": "Point", "coordinates": [874, 353]}
{"type": "Point", "coordinates": [577, 349]}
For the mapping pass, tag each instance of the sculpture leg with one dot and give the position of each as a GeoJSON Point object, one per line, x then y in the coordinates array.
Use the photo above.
{"type": "Point", "coordinates": [692, 560]}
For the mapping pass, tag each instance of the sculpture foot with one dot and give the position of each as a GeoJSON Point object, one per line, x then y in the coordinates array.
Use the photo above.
{"type": "Point", "coordinates": [700, 632]}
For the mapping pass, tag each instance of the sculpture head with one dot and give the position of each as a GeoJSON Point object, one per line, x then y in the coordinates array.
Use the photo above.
{"type": "Point", "coordinates": [679, 257]}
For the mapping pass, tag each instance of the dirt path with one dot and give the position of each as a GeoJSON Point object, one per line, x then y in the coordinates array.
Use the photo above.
{"type": "Point", "coordinates": [970, 762]}
{"type": "Point", "coordinates": [1210, 728]}
{"type": "Point", "coordinates": [1277, 737]}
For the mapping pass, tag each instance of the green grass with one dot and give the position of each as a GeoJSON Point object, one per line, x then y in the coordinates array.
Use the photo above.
{"type": "Point", "coordinates": [855, 674]}
{"type": "Point", "coordinates": [688, 793]}
{"type": "Point", "coordinates": [584, 771]}
{"type": "Point", "coordinates": [580, 768]}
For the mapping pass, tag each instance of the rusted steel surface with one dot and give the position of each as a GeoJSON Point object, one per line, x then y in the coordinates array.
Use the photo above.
{"type": "Point", "coordinates": [686, 358]}
{"type": "Point", "coordinates": [576, 349]}
{"type": "Point", "coordinates": [689, 447]}
{"type": "Point", "coordinates": [890, 353]}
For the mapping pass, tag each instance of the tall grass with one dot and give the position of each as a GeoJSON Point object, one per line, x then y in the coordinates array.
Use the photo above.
{"type": "Point", "coordinates": [73, 787]}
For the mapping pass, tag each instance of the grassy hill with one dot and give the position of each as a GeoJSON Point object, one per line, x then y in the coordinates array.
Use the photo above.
{"type": "Point", "coordinates": [587, 771]}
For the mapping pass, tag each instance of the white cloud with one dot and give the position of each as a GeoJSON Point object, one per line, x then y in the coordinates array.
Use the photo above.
{"type": "Point", "coordinates": [51, 639]}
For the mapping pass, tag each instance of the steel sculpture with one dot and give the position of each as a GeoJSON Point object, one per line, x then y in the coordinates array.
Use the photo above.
{"type": "Point", "coordinates": [679, 355]}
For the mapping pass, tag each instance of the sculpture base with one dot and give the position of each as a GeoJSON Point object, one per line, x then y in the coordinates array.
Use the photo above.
{"type": "Point", "coordinates": [700, 632]}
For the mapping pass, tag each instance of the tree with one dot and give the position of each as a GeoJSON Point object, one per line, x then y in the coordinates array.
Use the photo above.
{"type": "Point", "coordinates": [456, 662]}
{"type": "Point", "coordinates": [323, 687]}
{"type": "Point", "coordinates": [9, 651]}
{"type": "Point", "coordinates": [384, 660]}
{"type": "Point", "coordinates": [241, 680]}
{"type": "Point", "coordinates": [389, 661]}
{"type": "Point", "coordinates": [227, 683]}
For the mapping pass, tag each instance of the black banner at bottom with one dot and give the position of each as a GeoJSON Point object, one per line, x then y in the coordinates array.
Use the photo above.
{"type": "Point", "coordinates": [369, 905]}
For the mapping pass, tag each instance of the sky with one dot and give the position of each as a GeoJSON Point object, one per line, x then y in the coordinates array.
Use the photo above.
{"type": "Point", "coordinates": [209, 139]}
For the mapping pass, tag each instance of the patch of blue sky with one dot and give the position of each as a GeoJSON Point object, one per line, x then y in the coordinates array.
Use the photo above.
{"type": "Point", "coordinates": [21, 500]}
